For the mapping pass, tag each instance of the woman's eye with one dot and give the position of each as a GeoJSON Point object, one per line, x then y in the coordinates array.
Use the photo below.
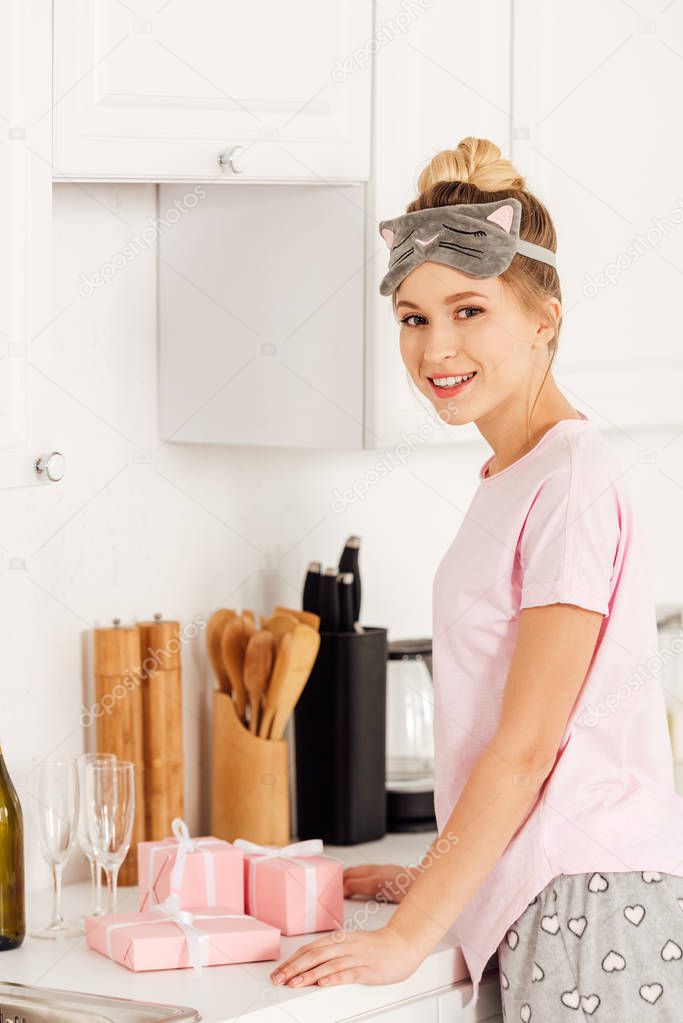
{"type": "Point", "coordinates": [471, 310]}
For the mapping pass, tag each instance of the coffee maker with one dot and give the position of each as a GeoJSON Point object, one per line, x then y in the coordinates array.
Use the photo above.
{"type": "Point", "coordinates": [410, 736]}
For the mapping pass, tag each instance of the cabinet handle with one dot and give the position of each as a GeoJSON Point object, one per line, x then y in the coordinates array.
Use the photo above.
{"type": "Point", "coordinates": [228, 157]}
{"type": "Point", "coordinates": [50, 466]}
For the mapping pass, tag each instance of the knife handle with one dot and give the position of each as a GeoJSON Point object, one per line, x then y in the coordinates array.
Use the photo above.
{"type": "Point", "coordinates": [311, 594]}
{"type": "Point", "coordinates": [349, 563]}
{"type": "Point", "coordinates": [329, 601]}
{"type": "Point", "coordinates": [345, 585]}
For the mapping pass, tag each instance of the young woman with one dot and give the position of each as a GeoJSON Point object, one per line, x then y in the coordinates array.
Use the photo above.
{"type": "Point", "coordinates": [560, 843]}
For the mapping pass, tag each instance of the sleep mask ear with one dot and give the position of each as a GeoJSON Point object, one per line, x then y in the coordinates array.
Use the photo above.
{"type": "Point", "coordinates": [479, 239]}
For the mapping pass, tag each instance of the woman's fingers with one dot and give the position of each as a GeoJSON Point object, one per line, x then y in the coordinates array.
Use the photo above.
{"type": "Point", "coordinates": [360, 871]}
{"type": "Point", "coordinates": [305, 958]}
{"type": "Point", "coordinates": [372, 868]}
{"type": "Point", "coordinates": [350, 976]}
{"type": "Point", "coordinates": [323, 971]}
{"type": "Point", "coordinates": [370, 885]}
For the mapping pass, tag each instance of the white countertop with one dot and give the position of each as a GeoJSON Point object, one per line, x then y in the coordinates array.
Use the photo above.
{"type": "Point", "coordinates": [226, 993]}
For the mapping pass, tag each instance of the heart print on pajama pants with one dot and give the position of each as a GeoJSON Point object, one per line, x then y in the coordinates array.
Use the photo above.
{"type": "Point", "coordinates": [597, 947]}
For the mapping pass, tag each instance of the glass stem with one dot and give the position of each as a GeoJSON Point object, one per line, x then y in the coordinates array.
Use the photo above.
{"type": "Point", "coordinates": [114, 880]}
{"type": "Point", "coordinates": [57, 920]}
{"type": "Point", "coordinates": [93, 886]}
{"type": "Point", "coordinates": [98, 886]}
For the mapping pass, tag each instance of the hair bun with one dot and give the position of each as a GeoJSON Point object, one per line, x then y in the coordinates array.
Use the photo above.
{"type": "Point", "coordinates": [476, 161]}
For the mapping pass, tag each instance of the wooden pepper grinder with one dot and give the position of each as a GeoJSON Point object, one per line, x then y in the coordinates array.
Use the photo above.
{"type": "Point", "coordinates": [118, 692]}
{"type": "Point", "coordinates": [163, 725]}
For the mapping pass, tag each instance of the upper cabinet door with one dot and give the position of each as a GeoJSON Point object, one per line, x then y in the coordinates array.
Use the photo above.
{"type": "Point", "coordinates": [159, 91]}
{"type": "Point", "coordinates": [591, 140]}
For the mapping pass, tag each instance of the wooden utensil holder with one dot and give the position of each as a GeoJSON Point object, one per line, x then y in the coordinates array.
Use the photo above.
{"type": "Point", "coordinates": [249, 780]}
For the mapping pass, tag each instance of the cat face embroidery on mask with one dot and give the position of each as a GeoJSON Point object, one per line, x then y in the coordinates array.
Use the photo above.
{"type": "Point", "coordinates": [479, 239]}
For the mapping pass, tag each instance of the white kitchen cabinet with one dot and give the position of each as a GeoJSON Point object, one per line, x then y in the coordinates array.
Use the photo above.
{"type": "Point", "coordinates": [157, 91]}
{"type": "Point", "coordinates": [26, 290]}
{"type": "Point", "coordinates": [578, 110]}
{"type": "Point", "coordinates": [416, 1010]}
{"type": "Point", "coordinates": [449, 1005]}
{"type": "Point", "coordinates": [260, 312]}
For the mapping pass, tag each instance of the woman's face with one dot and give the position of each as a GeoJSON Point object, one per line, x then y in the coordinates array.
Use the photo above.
{"type": "Point", "coordinates": [455, 325]}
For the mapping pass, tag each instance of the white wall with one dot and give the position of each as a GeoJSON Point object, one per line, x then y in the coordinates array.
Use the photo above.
{"type": "Point", "coordinates": [187, 531]}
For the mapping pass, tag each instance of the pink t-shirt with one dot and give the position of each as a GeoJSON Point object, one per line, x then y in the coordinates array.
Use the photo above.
{"type": "Point", "coordinates": [556, 526]}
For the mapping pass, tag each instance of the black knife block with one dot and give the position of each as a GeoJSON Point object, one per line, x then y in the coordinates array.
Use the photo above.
{"type": "Point", "coordinates": [340, 740]}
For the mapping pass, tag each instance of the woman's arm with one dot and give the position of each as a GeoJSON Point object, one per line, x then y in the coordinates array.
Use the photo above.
{"type": "Point", "coordinates": [553, 651]}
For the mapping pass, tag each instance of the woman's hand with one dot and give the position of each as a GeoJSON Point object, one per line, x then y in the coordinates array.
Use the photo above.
{"type": "Point", "coordinates": [389, 880]}
{"type": "Point", "coordinates": [350, 957]}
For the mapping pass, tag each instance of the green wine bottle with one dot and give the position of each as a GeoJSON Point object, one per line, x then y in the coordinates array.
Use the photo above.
{"type": "Point", "coordinates": [12, 921]}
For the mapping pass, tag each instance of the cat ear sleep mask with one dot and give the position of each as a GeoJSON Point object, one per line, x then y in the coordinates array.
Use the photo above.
{"type": "Point", "coordinates": [479, 239]}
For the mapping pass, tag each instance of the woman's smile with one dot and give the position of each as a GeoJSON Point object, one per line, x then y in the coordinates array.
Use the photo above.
{"type": "Point", "coordinates": [447, 386]}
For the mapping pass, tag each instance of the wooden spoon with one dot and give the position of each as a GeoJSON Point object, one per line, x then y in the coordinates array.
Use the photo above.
{"type": "Point", "coordinates": [258, 663]}
{"type": "Point", "coordinates": [249, 623]}
{"type": "Point", "coordinates": [304, 650]}
{"type": "Point", "coordinates": [233, 643]}
{"type": "Point", "coordinates": [279, 625]}
{"type": "Point", "coordinates": [305, 617]}
{"type": "Point", "coordinates": [280, 669]}
{"type": "Point", "coordinates": [214, 628]}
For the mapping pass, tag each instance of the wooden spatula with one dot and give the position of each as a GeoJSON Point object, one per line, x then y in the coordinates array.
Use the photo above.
{"type": "Point", "coordinates": [277, 678]}
{"type": "Point", "coordinates": [233, 643]}
{"type": "Point", "coordinates": [249, 622]}
{"type": "Point", "coordinates": [305, 646]}
{"type": "Point", "coordinates": [214, 629]}
{"type": "Point", "coordinates": [306, 617]}
{"type": "Point", "coordinates": [279, 624]}
{"type": "Point", "coordinates": [258, 663]}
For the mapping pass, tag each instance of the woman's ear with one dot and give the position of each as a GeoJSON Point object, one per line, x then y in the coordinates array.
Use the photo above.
{"type": "Point", "coordinates": [549, 322]}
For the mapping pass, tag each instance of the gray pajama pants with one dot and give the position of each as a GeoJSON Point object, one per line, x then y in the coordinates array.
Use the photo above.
{"type": "Point", "coordinates": [597, 947]}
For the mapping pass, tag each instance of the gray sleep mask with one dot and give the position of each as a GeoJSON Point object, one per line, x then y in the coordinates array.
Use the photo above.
{"type": "Point", "coordinates": [477, 238]}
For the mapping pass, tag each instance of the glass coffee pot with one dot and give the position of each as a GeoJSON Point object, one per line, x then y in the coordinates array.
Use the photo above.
{"type": "Point", "coordinates": [410, 737]}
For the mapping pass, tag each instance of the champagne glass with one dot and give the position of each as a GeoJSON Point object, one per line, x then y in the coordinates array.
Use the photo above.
{"type": "Point", "coordinates": [55, 792]}
{"type": "Point", "coordinates": [84, 841]}
{"type": "Point", "coordinates": [110, 808]}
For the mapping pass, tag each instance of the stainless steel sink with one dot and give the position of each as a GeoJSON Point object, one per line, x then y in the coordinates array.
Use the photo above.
{"type": "Point", "coordinates": [20, 1003]}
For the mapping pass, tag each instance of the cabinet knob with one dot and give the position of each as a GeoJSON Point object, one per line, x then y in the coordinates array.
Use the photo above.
{"type": "Point", "coordinates": [51, 466]}
{"type": "Point", "coordinates": [229, 157]}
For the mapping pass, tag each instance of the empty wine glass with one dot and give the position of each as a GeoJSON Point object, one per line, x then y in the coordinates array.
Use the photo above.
{"type": "Point", "coordinates": [110, 808]}
{"type": "Point", "coordinates": [55, 792]}
{"type": "Point", "coordinates": [84, 841]}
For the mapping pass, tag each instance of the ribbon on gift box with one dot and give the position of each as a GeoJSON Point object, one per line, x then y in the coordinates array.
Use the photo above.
{"type": "Point", "coordinates": [170, 911]}
{"type": "Point", "coordinates": [186, 844]}
{"type": "Point", "coordinates": [296, 852]}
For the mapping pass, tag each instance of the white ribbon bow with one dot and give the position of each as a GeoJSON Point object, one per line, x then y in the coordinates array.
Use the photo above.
{"type": "Point", "coordinates": [186, 844]}
{"type": "Point", "coordinates": [296, 852]}
{"type": "Point", "coordinates": [170, 911]}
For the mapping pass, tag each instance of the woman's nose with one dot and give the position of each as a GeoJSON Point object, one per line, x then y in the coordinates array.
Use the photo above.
{"type": "Point", "coordinates": [440, 344]}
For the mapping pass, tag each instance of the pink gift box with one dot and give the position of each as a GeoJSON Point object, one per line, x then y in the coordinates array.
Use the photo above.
{"type": "Point", "coordinates": [158, 941]}
{"type": "Point", "coordinates": [295, 887]}
{"type": "Point", "coordinates": [196, 871]}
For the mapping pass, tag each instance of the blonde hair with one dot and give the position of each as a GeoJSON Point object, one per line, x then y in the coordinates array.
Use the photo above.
{"type": "Point", "coordinates": [475, 172]}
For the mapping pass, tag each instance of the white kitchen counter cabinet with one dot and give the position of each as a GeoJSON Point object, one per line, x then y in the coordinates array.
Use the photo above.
{"type": "Point", "coordinates": [438, 992]}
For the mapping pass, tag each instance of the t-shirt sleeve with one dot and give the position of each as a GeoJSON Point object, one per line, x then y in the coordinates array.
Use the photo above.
{"type": "Point", "coordinates": [569, 541]}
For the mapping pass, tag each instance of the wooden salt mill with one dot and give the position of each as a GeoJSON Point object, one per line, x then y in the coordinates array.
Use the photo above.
{"type": "Point", "coordinates": [118, 692]}
{"type": "Point", "coordinates": [163, 725]}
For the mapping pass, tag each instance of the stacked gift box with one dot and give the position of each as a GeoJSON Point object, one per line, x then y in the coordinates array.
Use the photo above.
{"type": "Point", "coordinates": [207, 902]}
